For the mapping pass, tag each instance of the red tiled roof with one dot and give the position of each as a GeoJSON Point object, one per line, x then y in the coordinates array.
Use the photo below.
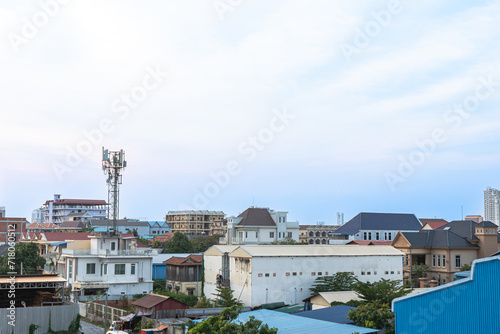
{"type": "Point", "coordinates": [184, 261]}
{"type": "Point", "coordinates": [433, 223]}
{"type": "Point", "coordinates": [64, 236]}
{"type": "Point", "coordinates": [164, 237]}
{"type": "Point", "coordinates": [78, 201]}
{"type": "Point", "coordinates": [370, 242]}
{"type": "Point", "coordinates": [50, 225]}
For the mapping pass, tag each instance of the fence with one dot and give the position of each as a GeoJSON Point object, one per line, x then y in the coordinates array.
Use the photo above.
{"type": "Point", "coordinates": [60, 318]}
{"type": "Point", "coordinates": [103, 297]}
{"type": "Point", "coordinates": [95, 311]}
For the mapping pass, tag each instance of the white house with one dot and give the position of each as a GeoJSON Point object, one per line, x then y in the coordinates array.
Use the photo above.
{"type": "Point", "coordinates": [377, 226]}
{"type": "Point", "coordinates": [111, 262]}
{"type": "Point", "coordinates": [267, 273]}
{"type": "Point", "coordinates": [259, 226]}
{"type": "Point", "coordinates": [59, 210]}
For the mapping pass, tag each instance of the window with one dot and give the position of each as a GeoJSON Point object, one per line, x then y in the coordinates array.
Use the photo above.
{"type": "Point", "coordinates": [104, 269]}
{"type": "Point", "coordinates": [406, 259]}
{"type": "Point", "coordinates": [458, 263]}
{"type": "Point", "coordinates": [113, 246]}
{"type": "Point", "coordinates": [377, 236]}
{"type": "Point", "coordinates": [90, 268]}
{"type": "Point", "coordinates": [365, 235]}
{"type": "Point", "coordinates": [271, 234]}
{"type": "Point", "coordinates": [246, 234]}
{"type": "Point", "coordinates": [294, 274]}
{"type": "Point", "coordinates": [132, 269]}
{"type": "Point", "coordinates": [326, 273]}
{"type": "Point", "coordinates": [439, 260]}
{"type": "Point", "coordinates": [362, 273]}
{"type": "Point", "coordinates": [390, 236]}
{"type": "Point", "coordinates": [122, 292]}
{"type": "Point", "coordinates": [289, 234]}
{"type": "Point", "coordinates": [266, 274]}
{"type": "Point", "coordinates": [274, 274]}
{"type": "Point", "coordinates": [444, 260]}
{"type": "Point", "coordinates": [70, 269]}
{"type": "Point", "coordinates": [120, 269]}
{"type": "Point", "coordinates": [320, 273]}
{"type": "Point", "coordinates": [433, 260]}
{"type": "Point", "coordinates": [392, 272]}
{"type": "Point", "coordinates": [369, 273]}
{"type": "Point", "coordinates": [313, 273]}
{"type": "Point", "coordinates": [287, 274]}
{"type": "Point", "coordinates": [256, 235]}
{"type": "Point", "coordinates": [386, 272]}
{"type": "Point", "coordinates": [260, 275]}
{"type": "Point", "coordinates": [369, 235]}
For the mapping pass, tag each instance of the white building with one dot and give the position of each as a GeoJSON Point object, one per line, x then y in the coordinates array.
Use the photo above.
{"type": "Point", "coordinates": [259, 226]}
{"type": "Point", "coordinates": [111, 262]}
{"type": "Point", "coordinates": [59, 210]}
{"type": "Point", "coordinates": [266, 273]}
{"type": "Point", "coordinates": [125, 226]}
{"type": "Point", "coordinates": [158, 227]}
{"type": "Point", "coordinates": [37, 215]}
{"type": "Point", "coordinates": [492, 205]}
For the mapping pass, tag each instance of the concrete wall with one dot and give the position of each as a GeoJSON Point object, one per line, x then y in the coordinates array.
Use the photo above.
{"type": "Point", "coordinates": [212, 267]}
{"type": "Point", "coordinates": [273, 279]}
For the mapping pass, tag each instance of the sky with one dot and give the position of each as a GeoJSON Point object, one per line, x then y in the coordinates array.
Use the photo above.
{"type": "Point", "coordinates": [312, 107]}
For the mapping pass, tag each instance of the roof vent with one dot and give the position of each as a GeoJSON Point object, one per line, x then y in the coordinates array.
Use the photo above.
{"type": "Point", "coordinates": [447, 228]}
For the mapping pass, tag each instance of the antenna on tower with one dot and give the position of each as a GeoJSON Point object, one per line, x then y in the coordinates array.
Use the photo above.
{"type": "Point", "coordinates": [113, 163]}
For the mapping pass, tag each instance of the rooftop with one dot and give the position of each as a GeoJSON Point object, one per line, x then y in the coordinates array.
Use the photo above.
{"type": "Point", "coordinates": [196, 212]}
{"type": "Point", "coordinates": [77, 201]}
{"type": "Point", "coordinates": [380, 221]}
{"type": "Point", "coordinates": [437, 238]}
{"type": "Point", "coordinates": [256, 217]}
{"type": "Point", "coordinates": [150, 300]}
{"type": "Point", "coordinates": [184, 261]}
{"type": "Point", "coordinates": [313, 250]}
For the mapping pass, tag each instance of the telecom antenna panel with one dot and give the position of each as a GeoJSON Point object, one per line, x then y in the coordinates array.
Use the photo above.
{"type": "Point", "coordinates": [113, 163]}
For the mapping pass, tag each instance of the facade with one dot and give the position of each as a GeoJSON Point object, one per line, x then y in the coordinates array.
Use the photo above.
{"type": "Point", "coordinates": [113, 263]}
{"type": "Point", "coordinates": [492, 205]}
{"type": "Point", "coordinates": [270, 273]}
{"type": "Point", "coordinates": [59, 210]}
{"type": "Point", "coordinates": [158, 227]}
{"type": "Point", "coordinates": [469, 305]}
{"type": "Point", "coordinates": [474, 218]}
{"type": "Point", "coordinates": [259, 226]}
{"type": "Point", "coordinates": [319, 234]}
{"type": "Point", "coordinates": [37, 216]}
{"type": "Point", "coordinates": [377, 226]}
{"type": "Point", "coordinates": [10, 225]}
{"type": "Point", "coordinates": [191, 222]}
{"type": "Point", "coordinates": [183, 275]}
{"type": "Point", "coordinates": [446, 249]}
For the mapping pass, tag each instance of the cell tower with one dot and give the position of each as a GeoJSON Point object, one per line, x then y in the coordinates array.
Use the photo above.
{"type": "Point", "coordinates": [113, 162]}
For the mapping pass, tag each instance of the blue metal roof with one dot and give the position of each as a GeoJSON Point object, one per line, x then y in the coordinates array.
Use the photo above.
{"type": "Point", "coordinates": [60, 243]}
{"type": "Point", "coordinates": [469, 305]}
{"type": "Point", "coordinates": [292, 324]}
{"type": "Point", "coordinates": [336, 314]}
{"type": "Point", "coordinates": [380, 221]}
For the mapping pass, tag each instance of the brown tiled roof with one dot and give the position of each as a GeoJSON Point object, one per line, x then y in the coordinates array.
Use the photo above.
{"type": "Point", "coordinates": [184, 261]}
{"type": "Point", "coordinates": [164, 237]}
{"type": "Point", "coordinates": [64, 236]}
{"type": "Point", "coordinates": [150, 300]}
{"type": "Point", "coordinates": [256, 217]}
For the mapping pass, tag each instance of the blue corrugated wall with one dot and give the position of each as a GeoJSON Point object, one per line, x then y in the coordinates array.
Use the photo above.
{"type": "Point", "coordinates": [159, 271]}
{"type": "Point", "coordinates": [470, 307]}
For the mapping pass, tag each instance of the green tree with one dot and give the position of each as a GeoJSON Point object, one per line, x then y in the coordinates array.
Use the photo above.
{"type": "Point", "coordinates": [179, 244]}
{"type": "Point", "coordinates": [375, 315]}
{"type": "Point", "coordinates": [383, 291]}
{"type": "Point", "coordinates": [465, 267]}
{"type": "Point", "coordinates": [25, 253]}
{"type": "Point", "coordinates": [419, 270]}
{"type": "Point", "coordinates": [285, 241]}
{"type": "Point", "coordinates": [225, 298]}
{"type": "Point", "coordinates": [225, 323]}
{"type": "Point", "coordinates": [204, 302]}
{"type": "Point", "coordinates": [339, 282]}
{"type": "Point", "coordinates": [202, 243]}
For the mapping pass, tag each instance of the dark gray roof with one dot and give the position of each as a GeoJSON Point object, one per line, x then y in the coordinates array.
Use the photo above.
{"type": "Point", "coordinates": [463, 228]}
{"type": "Point", "coordinates": [120, 222]}
{"type": "Point", "coordinates": [380, 221]}
{"type": "Point", "coordinates": [437, 238]}
{"type": "Point", "coordinates": [336, 314]}
{"type": "Point", "coordinates": [487, 223]}
{"type": "Point", "coordinates": [256, 217]}
{"type": "Point", "coordinates": [75, 224]}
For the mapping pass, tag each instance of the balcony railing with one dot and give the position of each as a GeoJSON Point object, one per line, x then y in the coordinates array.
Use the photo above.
{"type": "Point", "coordinates": [107, 252]}
{"type": "Point", "coordinates": [90, 279]}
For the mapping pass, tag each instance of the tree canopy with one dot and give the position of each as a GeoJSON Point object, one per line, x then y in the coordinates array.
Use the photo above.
{"type": "Point", "coordinates": [383, 291]}
{"type": "Point", "coordinates": [342, 281]}
{"type": "Point", "coordinates": [225, 323]}
{"type": "Point", "coordinates": [375, 315]}
{"type": "Point", "coordinates": [25, 253]}
{"type": "Point", "coordinates": [225, 298]}
{"type": "Point", "coordinates": [180, 243]}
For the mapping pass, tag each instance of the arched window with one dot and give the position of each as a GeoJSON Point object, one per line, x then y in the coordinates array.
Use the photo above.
{"type": "Point", "coordinates": [323, 241]}
{"type": "Point", "coordinates": [317, 241]}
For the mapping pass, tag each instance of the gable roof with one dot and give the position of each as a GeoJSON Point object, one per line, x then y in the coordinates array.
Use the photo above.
{"type": "Point", "coordinates": [380, 221]}
{"type": "Point", "coordinates": [437, 239]}
{"type": "Point", "coordinates": [433, 223]}
{"type": "Point", "coordinates": [150, 300]}
{"type": "Point", "coordinates": [167, 236]}
{"type": "Point", "coordinates": [463, 228]}
{"type": "Point", "coordinates": [64, 236]}
{"type": "Point", "coordinates": [184, 261]}
{"type": "Point", "coordinates": [72, 224]}
{"type": "Point", "coordinates": [256, 217]}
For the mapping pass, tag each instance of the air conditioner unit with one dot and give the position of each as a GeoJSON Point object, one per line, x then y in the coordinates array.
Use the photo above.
{"type": "Point", "coordinates": [141, 279]}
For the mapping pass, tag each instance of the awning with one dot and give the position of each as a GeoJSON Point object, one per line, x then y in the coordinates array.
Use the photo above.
{"type": "Point", "coordinates": [60, 243]}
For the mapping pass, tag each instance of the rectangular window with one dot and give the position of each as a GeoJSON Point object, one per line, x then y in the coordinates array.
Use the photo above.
{"type": "Point", "coordinates": [70, 269]}
{"type": "Point", "coordinates": [266, 274]}
{"type": "Point", "coordinates": [392, 272]}
{"type": "Point", "coordinates": [260, 275]}
{"type": "Point", "coordinates": [120, 269]}
{"type": "Point", "coordinates": [294, 274]}
{"type": "Point", "coordinates": [444, 260]}
{"type": "Point", "coordinates": [256, 235]}
{"type": "Point", "coordinates": [113, 246]}
{"type": "Point", "coordinates": [433, 260]}
{"type": "Point", "coordinates": [313, 273]}
{"type": "Point", "coordinates": [439, 260]}
{"type": "Point", "coordinates": [132, 269]}
{"type": "Point", "coordinates": [320, 273]}
{"type": "Point", "coordinates": [390, 237]}
{"type": "Point", "coordinates": [271, 234]}
{"type": "Point", "coordinates": [369, 235]}
{"type": "Point", "coordinates": [377, 236]}
{"type": "Point", "coordinates": [90, 268]}
{"type": "Point", "coordinates": [104, 269]}
{"type": "Point", "coordinates": [246, 234]}
{"type": "Point", "coordinates": [406, 259]}
{"type": "Point", "coordinates": [365, 235]}
{"type": "Point", "coordinates": [458, 263]}
{"type": "Point", "coordinates": [290, 234]}
{"type": "Point", "coordinates": [287, 274]}
{"type": "Point", "coordinates": [385, 236]}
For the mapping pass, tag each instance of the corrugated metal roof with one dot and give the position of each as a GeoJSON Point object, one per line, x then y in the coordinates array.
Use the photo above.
{"type": "Point", "coordinates": [291, 324]}
{"type": "Point", "coordinates": [336, 314]}
{"type": "Point", "coordinates": [150, 300]}
{"type": "Point", "coordinates": [33, 279]}
{"type": "Point", "coordinates": [312, 250]}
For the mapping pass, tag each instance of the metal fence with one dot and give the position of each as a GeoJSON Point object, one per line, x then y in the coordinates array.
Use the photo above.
{"type": "Point", "coordinates": [60, 318]}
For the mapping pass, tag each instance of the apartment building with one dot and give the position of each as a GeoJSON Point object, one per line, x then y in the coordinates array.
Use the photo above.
{"type": "Point", "coordinates": [10, 225]}
{"type": "Point", "coordinates": [59, 210]}
{"type": "Point", "coordinates": [492, 205]}
{"type": "Point", "coordinates": [319, 234]}
{"type": "Point", "coordinates": [193, 222]}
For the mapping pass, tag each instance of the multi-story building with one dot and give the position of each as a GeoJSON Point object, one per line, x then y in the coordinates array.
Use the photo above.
{"type": "Point", "coordinates": [377, 226]}
{"type": "Point", "coordinates": [158, 227]}
{"type": "Point", "coordinates": [318, 234]}
{"type": "Point", "coordinates": [9, 225]}
{"type": "Point", "coordinates": [183, 274]}
{"type": "Point", "coordinates": [474, 218]}
{"type": "Point", "coordinates": [492, 205]}
{"type": "Point", "coordinates": [114, 263]}
{"type": "Point", "coordinates": [192, 222]}
{"type": "Point", "coordinates": [59, 210]}
{"type": "Point", "coordinates": [277, 273]}
{"type": "Point", "coordinates": [259, 226]}
{"type": "Point", "coordinates": [37, 215]}
{"type": "Point", "coordinates": [446, 249]}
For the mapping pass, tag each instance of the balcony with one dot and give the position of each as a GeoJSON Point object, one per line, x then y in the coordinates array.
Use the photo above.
{"type": "Point", "coordinates": [107, 252]}
{"type": "Point", "coordinates": [90, 279]}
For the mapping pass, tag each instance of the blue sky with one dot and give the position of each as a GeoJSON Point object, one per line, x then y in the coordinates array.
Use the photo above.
{"type": "Point", "coordinates": [314, 107]}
